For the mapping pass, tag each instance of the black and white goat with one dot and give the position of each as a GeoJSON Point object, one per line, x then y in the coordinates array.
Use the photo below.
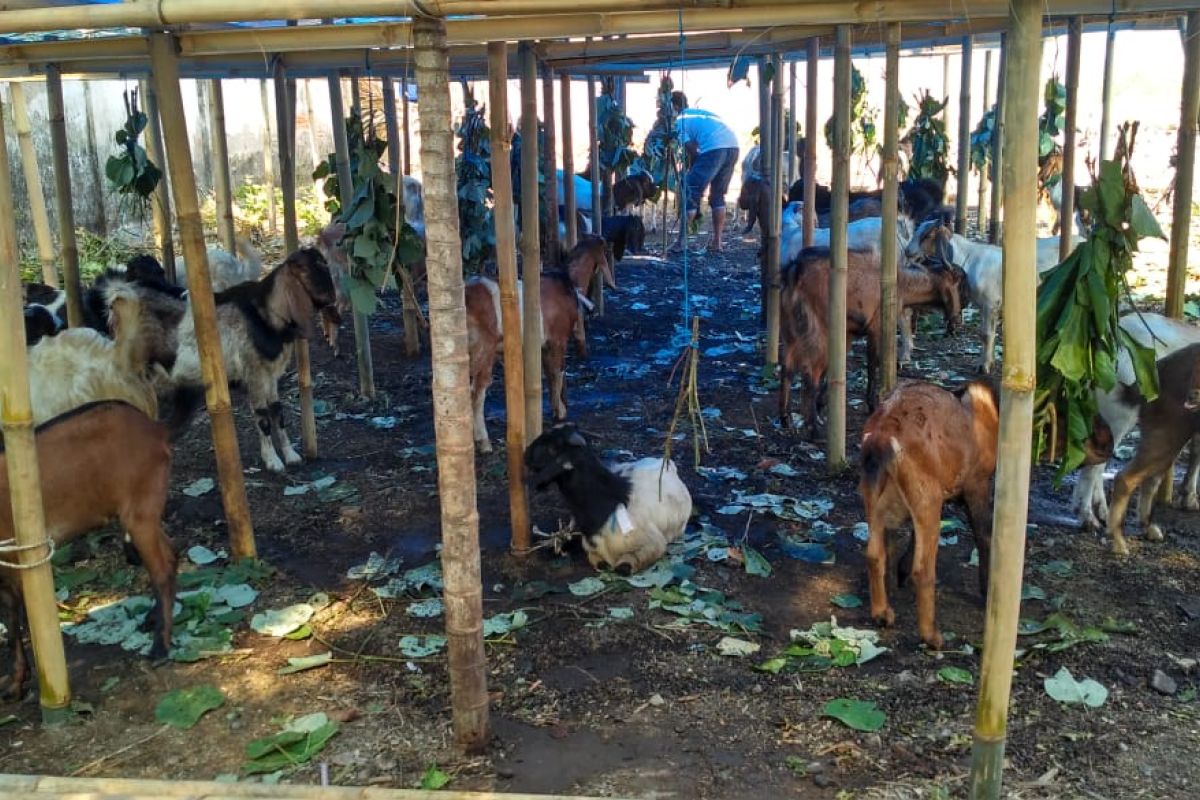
{"type": "Point", "coordinates": [45, 311]}
{"type": "Point", "coordinates": [258, 321]}
{"type": "Point", "coordinates": [628, 513]}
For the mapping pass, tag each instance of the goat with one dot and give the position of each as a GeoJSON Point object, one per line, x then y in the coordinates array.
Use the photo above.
{"type": "Point", "coordinates": [414, 205]}
{"type": "Point", "coordinates": [923, 446]}
{"type": "Point", "coordinates": [861, 208]}
{"type": "Point", "coordinates": [1167, 423]}
{"type": "Point", "coordinates": [561, 294]}
{"type": "Point", "coordinates": [39, 324]}
{"type": "Point", "coordinates": [804, 321]}
{"type": "Point", "coordinates": [329, 243]}
{"type": "Point", "coordinates": [756, 198]}
{"type": "Point", "coordinates": [752, 167]}
{"type": "Point", "coordinates": [1047, 251]}
{"type": "Point", "coordinates": [45, 307]}
{"type": "Point", "coordinates": [628, 513]}
{"type": "Point", "coordinates": [1118, 408]}
{"type": "Point", "coordinates": [861, 234]}
{"type": "Point", "coordinates": [625, 234]}
{"type": "Point", "coordinates": [633, 190]}
{"type": "Point", "coordinates": [258, 321]}
{"type": "Point", "coordinates": [824, 197]}
{"type": "Point", "coordinates": [81, 366]}
{"type": "Point", "coordinates": [99, 462]}
{"type": "Point", "coordinates": [226, 269]}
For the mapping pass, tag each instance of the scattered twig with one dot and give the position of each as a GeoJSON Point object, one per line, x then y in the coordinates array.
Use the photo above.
{"type": "Point", "coordinates": [93, 764]}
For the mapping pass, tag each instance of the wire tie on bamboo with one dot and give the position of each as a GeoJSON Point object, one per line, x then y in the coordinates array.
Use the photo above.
{"type": "Point", "coordinates": [10, 546]}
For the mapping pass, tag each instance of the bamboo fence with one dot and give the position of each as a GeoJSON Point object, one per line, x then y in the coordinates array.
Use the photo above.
{"type": "Point", "coordinates": [835, 425]}
{"type": "Point", "coordinates": [888, 257]}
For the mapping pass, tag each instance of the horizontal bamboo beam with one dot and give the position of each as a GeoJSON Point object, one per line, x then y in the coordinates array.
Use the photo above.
{"type": "Point", "coordinates": [100, 788]}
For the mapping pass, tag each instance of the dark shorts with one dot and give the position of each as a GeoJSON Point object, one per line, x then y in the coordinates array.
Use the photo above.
{"type": "Point", "coordinates": [713, 171]}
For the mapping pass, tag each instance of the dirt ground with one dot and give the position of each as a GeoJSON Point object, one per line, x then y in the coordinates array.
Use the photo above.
{"type": "Point", "coordinates": [638, 702]}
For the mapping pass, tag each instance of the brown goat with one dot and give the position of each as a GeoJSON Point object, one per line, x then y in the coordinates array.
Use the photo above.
{"type": "Point", "coordinates": [562, 292]}
{"type": "Point", "coordinates": [805, 304]}
{"type": "Point", "coordinates": [1167, 424]}
{"type": "Point", "coordinates": [755, 199]}
{"type": "Point", "coordinates": [922, 447]}
{"type": "Point", "coordinates": [99, 462]}
{"type": "Point", "coordinates": [633, 190]}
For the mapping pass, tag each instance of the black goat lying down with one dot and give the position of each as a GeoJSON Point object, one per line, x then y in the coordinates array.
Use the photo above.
{"type": "Point", "coordinates": [626, 234]}
{"type": "Point", "coordinates": [628, 513]}
{"type": "Point", "coordinates": [258, 322]}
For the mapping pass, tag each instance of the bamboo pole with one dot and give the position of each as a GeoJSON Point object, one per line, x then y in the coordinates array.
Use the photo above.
{"type": "Point", "coordinates": [793, 156]}
{"type": "Point", "coordinates": [597, 210]}
{"type": "Point", "coordinates": [452, 395]}
{"type": "Point", "coordinates": [963, 190]}
{"type": "Point", "coordinates": [1110, 43]}
{"type": "Point", "coordinates": [316, 157]}
{"type": "Point", "coordinates": [268, 156]}
{"type": "Point", "coordinates": [982, 204]}
{"type": "Point", "coordinates": [1067, 211]}
{"type": "Point", "coordinates": [405, 125]}
{"type": "Point", "coordinates": [204, 104]}
{"type": "Point", "coordinates": [889, 258]}
{"type": "Point", "coordinates": [33, 185]}
{"type": "Point", "coordinates": [204, 309]}
{"type": "Point", "coordinates": [994, 227]}
{"type": "Point", "coordinates": [835, 426]}
{"type": "Point", "coordinates": [160, 206]}
{"type": "Point", "coordinates": [67, 246]}
{"type": "Point", "coordinates": [1185, 165]}
{"type": "Point", "coordinates": [766, 151]}
{"type": "Point", "coordinates": [551, 165]}
{"type": "Point", "coordinates": [412, 333]}
{"type": "Point", "coordinates": [355, 97]}
{"type": "Point", "coordinates": [812, 65]}
{"type": "Point", "coordinates": [362, 331]}
{"type": "Point", "coordinates": [99, 218]}
{"type": "Point", "coordinates": [568, 144]}
{"type": "Point", "coordinates": [510, 310]}
{"type": "Point", "coordinates": [771, 241]}
{"type": "Point", "coordinates": [531, 286]}
{"type": "Point", "coordinates": [1018, 381]}
{"type": "Point", "coordinates": [222, 187]}
{"type": "Point", "coordinates": [21, 461]}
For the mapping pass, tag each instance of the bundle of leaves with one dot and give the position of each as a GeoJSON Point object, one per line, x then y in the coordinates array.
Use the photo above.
{"type": "Point", "coordinates": [514, 161]}
{"type": "Point", "coordinates": [928, 142]}
{"type": "Point", "coordinates": [1050, 127]}
{"type": "Point", "coordinates": [473, 167]}
{"type": "Point", "coordinates": [981, 144]}
{"type": "Point", "coordinates": [377, 238]}
{"type": "Point", "coordinates": [663, 154]}
{"type": "Point", "coordinates": [131, 172]}
{"type": "Point", "coordinates": [863, 135]}
{"type": "Point", "coordinates": [1078, 336]}
{"type": "Point", "coordinates": [615, 132]}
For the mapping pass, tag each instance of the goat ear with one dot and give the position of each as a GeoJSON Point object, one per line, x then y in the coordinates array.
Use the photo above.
{"type": "Point", "coordinates": [296, 298]}
{"type": "Point", "coordinates": [576, 439]}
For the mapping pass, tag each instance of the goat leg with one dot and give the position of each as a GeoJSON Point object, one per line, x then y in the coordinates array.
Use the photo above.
{"type": "Point", "coordinates": [266, 449]}
{"type": "Point", "coordinates": [14, 621]}
{"type": "Point", "coordinates": [978, 499]}
{"type": "Point", "coordinates": [785, 394]}
{"type": "Point", "coordinates": [1191, 500]}
{"type": "Point", "coordinates": [1146, 499]}
{"type": "Point", "coordinates": [279, 436]}
{"type": "Point", "coordinates": [881, 611]}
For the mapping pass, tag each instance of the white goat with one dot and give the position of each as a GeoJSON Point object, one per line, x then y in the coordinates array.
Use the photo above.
{"type": "Point", "coordinates": [628, 513]}
{"type": "Point", "coordinates": [224, 268]}
{"type": "Point", "coordinates": [862, 234]}
{"type": "Point", "coordinates": [1166, 336]}
{"type": "Point", "coordinates": [752, 163]}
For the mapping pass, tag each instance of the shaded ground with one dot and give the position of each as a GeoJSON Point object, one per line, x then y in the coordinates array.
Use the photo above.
{"type": "Point", "coordinates": [584, 702]}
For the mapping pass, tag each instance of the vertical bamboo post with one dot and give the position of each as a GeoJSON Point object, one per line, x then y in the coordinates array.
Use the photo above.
{"type": "Point", "coordinates": [510, 310]}
{"type": "Point", "coordinates": [314, 150]}
{"type": "Point", "coordinates": [551, 164]}
{"type": "Point", "coordinates": [771, 240]}
{"type": "Point", "coordinates": [33, 185]}
{"type": "Point", "coordinates": [1018, 380]}
{"type": "Point", "coordinates": [1110, 42]}
{"type": "Point", "coordinates": [1067, 210]}
{"type": "Point", "coordinates": [982, 204]}
{"type": "Point", "coordinates": [99, 219]}
{"type": "Point", "coordinates": [994, 228]}
{"type": "Point", "coordinates": [766, 151]}
{"type": "Point", "coordinates": [68, 248]}
{"type": "Point", "coordinates": [341, 147]}
{"type": "Point", "coordinates": [835, 426]}
{"type": "Point", "coordinates": [1185, 165]}
{"type": "Point", "coordinates": [889, 257]}
{"type": "Point", "coordinates": [597, 210]}
{"type": "Point", "coordinates": [531, 286]}
{"type": "Point", "coordinates": [165, 74]}
{"type": "Point", "coordinates": [790, 134]}
{"type": "Point", "coordinates": [21, 461]}
{"type": "Point", "coordinates": [285, 131]}
{"type": "Point", "coordinates": [452, 394]}
{"type": "Point", "coordinates": [812, 65]}
{"type": "Point", "coordinates": [405, 126]}
{"type": "Point", "coordinates": [355, 97]}
{"type": "Point", "coordinates": [203, 102]}
{"type": "Point", "coordinates": [568, 159]}
{"type": "Point", "coordinates": [222, 187]}
{"type": "Point", "coordinates": [160, 207]}
{"type": "Point", "coordinates": [963, 190]}
{"type": "Point", "coordinates": [412, 333]}
{"type": "Point", "coordinates": [268, 156]}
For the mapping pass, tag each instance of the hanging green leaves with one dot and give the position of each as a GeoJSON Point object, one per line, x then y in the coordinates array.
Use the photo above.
{"type": "Point", "coordinates": [615, 132]}
{"type": "Point", "coordinates": [473, 168]}
{"type": "Point", "coordinates": [1078, 336]}
{"type": "Point", "coordinates": [131, 172]}
{"type": "Point", "coordinates": [982, 142]}
{"type": "Point", "coordinates": [863, 135]}
{"type": "Point", "coordinates": [662, 154]}
{"type": "Point", "coordinates": [1052, 121]}
{"type": "Point", "coordinates": [928, 142]}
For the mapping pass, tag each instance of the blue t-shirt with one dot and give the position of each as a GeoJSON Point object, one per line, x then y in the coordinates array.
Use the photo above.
{"type": "Point", "coordinates": [705, 129]}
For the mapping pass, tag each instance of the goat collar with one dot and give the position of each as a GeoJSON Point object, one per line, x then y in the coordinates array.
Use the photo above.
{"type": "Point", "coordinates": [619, 522]}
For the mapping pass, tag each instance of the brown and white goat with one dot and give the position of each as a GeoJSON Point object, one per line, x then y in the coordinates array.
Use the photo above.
{"type": "Point", "coordinates": [99, 462]}
{"type": "Point", "coordinates": [561, 294]}
{"type": "Point", "coordinates": [1167, 424]}
{"type": "Point", "coordinates": [923, 446]}
{"type": "Point", "coordinates": [258, 322]}
{"type": "Point", "coordinates": [805, 304]}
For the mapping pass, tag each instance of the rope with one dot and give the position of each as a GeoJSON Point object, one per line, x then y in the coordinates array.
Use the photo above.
{"type": "Point", "coordinates": [682, 178]}
{"type": "Point", "coordinates": [10, 546]}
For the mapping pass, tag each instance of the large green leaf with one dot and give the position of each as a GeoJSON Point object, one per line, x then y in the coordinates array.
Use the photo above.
{"type": "Point", "coordinates": [1142, 220]}
{"type": "Point", "coordinates": [183, 708]}
{"type": "Point", "coordinates": [861, 715]}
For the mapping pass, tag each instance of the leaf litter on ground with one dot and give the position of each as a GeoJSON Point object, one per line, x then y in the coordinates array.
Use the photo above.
{"type": "Point", "coordinates": [296, 744]}
{"type": "Point", "coordinates": [823, 646]}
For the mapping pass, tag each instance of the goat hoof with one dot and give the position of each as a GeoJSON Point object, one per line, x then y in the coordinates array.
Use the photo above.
{"type": "Point", "coordinates": [273, 465]}
{"type": "Point", "coordinates": [1119, 546]}
{"type": "Point", "coordinates": [484, 446]}
{"type": "Point", "coordinates": [1154, 533]}
{"type": "Point", "coordinates": [885, 618]}
{"type": "Point", "coordinates": [933, 641]}
{"type": "Point", "coordinates": [1191, 503]}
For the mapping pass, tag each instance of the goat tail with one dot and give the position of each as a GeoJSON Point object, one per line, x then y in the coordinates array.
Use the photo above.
{"type": "Point", "coordinates": [125, 322]}
{"type": "Point", "coordinates": [878, 454]}
{"type": "Point", "coordinates": [185, 401]}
